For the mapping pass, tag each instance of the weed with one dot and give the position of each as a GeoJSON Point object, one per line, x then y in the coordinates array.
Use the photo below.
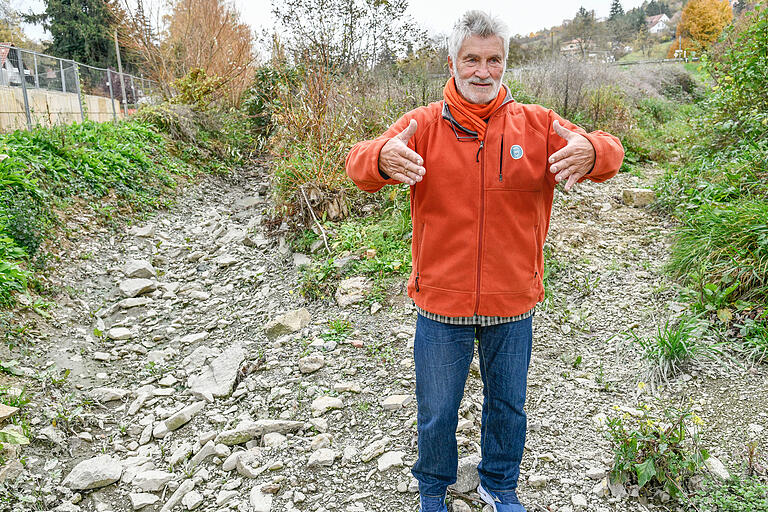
{"type": "Point", "coordinates": [656, 449]}
{"type": "Point", "coordinates": [672, 347]}
{"type": "Point", "coordinates": [754, 341]}
{"type": "Point", "coordinates": [338, 331]}
{"type": "Point", "coordinates": [738, 494]}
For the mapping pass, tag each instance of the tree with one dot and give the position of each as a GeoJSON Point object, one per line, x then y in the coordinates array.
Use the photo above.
{"type": "Point", "coordinates": [617, 11]}
{"type": "Point", "coordinates": [346, 34]}
{"type": "Point", "coordinates": [81, 29]}
{"type": "Point", "coordinates": [583, 29]}
{"type": "Point", "coordinates": [701, 24]}
{"type": "Point", "coordinates": [656, 7]}
{"type": "Point", "coordinates": [10, 28]}
{"type": "Point", "coordinates": [197, 35]}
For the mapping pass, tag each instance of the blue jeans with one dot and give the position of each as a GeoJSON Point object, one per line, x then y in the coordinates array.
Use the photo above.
{"type": "Point", "coordinates": [442, 354]}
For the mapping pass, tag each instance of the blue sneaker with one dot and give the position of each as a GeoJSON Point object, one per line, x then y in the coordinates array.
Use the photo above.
{"type": "Point", "coordinates": [507, 502]}
{"type": "Point", "coordinates": [433, 504]}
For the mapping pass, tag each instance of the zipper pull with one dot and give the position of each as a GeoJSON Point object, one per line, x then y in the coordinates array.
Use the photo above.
{"type": "Point", "coordinates": [417, 281]}
{"type": "Point", "coordinates": [501, 159]}
{"type": "Point", "coordinates": [477, 158]}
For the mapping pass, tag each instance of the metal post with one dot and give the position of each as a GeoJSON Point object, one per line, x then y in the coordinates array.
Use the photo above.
{"type": "Point", "coordinates": [63, 80]}
{"type": "Point", "coordinates": [120, 69]}
{"type": "Point", "coordinates": [133, 91]}
{"type": "Point", "coordinates": [111, 95]}
{"type": "Point", "coordinates": [37, 80]}
{"type": "Point", "coordinates": [79, 92]}
{"type": "Point", "coordinates": [24, 89]}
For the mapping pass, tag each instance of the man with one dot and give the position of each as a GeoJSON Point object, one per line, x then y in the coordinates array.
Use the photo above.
{"type": "Point", "coordinates": [482, 170]}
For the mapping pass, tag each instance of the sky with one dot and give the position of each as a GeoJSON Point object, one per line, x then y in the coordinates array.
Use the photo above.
{"type": "Point", "coordinates": [437, 16]}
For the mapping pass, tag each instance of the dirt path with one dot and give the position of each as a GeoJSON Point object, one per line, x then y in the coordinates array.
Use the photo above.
{"type": "Point", "coordinates": [179, 390]}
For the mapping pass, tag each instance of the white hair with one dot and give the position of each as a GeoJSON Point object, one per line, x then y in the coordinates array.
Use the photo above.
{"type": "Point", "coordinates": [477, 23]}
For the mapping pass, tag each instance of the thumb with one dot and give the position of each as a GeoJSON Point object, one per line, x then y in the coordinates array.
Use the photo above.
{"type": "Point", "coordinates": [409, 131]}
{"type": "Point", "coordinates": [562, 131]}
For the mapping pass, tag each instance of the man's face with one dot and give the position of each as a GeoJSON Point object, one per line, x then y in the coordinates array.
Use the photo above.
{"type": "Point", "coordinates": [478, 68]}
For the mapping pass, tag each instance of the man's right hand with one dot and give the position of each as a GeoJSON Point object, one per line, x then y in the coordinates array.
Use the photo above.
{"type": "Point", "coordinates": [400, 162]}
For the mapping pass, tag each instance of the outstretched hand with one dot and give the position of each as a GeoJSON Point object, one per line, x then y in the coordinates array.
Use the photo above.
{"type": "Point", "coordinates": [574, 160]}
{"type": "Point", "coordinates": [400, 162]}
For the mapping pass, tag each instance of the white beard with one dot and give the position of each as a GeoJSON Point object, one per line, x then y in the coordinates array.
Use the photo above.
{"type": "Point", "coordinates": [472, 95]}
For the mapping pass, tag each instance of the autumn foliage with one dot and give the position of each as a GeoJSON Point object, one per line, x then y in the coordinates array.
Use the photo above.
{"type": "Point", "coordinates": [205, 35]}
{"type": "Point", "coordinates": [702, 23]}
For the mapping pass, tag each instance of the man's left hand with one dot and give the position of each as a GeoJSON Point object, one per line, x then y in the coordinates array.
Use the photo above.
{"type": "Point", "coordinates": [574, 160]}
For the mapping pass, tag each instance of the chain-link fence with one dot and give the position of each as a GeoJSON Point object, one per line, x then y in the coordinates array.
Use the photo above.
{"type": "Point", "coordinates": [40, 89]}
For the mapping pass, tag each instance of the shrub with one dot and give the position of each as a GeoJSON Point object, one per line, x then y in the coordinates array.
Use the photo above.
{"type": "Point", "coordinates": [739, 65]}
{"type": "Point", "coordinates": [198, 89]}
{"type": "Point", "coordinates": [656, 449]}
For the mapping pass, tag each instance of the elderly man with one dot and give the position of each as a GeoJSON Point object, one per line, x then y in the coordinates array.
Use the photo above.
{"type": "Point", "coordinates": [482, 170]}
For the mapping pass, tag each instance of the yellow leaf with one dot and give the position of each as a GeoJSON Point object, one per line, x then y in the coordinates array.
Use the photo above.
{"type": "Point", "coordinates": [725, 315]}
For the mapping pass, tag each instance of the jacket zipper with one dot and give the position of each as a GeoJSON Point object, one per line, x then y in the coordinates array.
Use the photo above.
{"type": "Point", "coordinates": [480, 227]}
{"type": "Point", "coordinates": [418, 261]}
{"type": "Point", "coordinates": [501, 159]}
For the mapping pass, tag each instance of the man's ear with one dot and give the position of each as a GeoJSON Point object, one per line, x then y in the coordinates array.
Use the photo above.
{"type": "Point", "coordinates": [450, 65]}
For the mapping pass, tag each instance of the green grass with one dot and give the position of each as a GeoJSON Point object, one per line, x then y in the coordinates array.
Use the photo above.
{"type": "Point", "coordinates": [108, 169]}
{"type": "Point", "coordinates": [738, 494]}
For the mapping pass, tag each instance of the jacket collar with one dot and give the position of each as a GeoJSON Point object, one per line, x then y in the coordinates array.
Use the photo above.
{"type": "Point", "coordinates": [449, 117]}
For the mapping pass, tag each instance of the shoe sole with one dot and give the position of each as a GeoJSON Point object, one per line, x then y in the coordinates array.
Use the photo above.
{"type": "Point", "coordinates": [486, 496]}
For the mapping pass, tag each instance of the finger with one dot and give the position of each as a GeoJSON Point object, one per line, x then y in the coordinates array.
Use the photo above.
{"type": "Point", "coordinates": [402, 178]}
{"type": "Point", "coordinates": [561, 154]}
{"type": "Point", "coordinates": [572, 179]}
{"type": "Point", "coordinates": [565, 173]}
{"type": "Point", "coordinates": [409, 131]}
{"type": "Point", "coordinates": [411, 155]}
{"type": "Point", "coordinates": [561, 131]}
{"type": "Point", "coordinates": [564, 164]}
{"type": "Point", "coordinates": [410, 167]}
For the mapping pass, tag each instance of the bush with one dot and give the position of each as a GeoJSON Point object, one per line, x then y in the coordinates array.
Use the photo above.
{"type": "Point", "coordinates": [656, 449]}
{"type": "Point", "coordinates": [739, 65]}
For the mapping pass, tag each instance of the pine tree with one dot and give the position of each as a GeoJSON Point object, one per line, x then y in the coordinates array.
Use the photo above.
{"type": "Point", "coordinates": [617, 10]}
{"type": "Point", "coordinates": [81, 29]}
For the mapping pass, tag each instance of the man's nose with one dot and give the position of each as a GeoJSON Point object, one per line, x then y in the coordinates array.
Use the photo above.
{"type": "Point", "coordinates": [483, 71]}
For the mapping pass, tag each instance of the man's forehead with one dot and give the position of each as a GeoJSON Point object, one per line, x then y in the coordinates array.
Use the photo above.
{"type": "Point", "coordinates": [476, 45]}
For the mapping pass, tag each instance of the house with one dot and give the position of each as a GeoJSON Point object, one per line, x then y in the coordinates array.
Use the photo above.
{"type": "Point", "coordinates": [657, 24]}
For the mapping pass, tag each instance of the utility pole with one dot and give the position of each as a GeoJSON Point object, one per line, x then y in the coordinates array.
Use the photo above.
{"type": "Point", "coordinates": [122, 78]}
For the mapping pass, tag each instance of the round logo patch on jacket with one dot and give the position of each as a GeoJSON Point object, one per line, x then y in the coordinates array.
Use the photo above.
{"type": "Point", "coordinates": [516, 152]}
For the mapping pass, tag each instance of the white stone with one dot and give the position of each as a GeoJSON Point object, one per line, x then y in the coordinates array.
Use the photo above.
{"type": "Point", "coordinates": [107, 394]}
{"type": "Point", "coordinates": [538, 481]}
{"type": "Point", "coordinates": [94, 473]}
{"type": "Point", "coordinates": [353, 290]}
{"type": "Point", "coordinates": [390, 460]}
{"type": "Point", "coordinates": [260, 502]}
{"type": "Point", "coordinates": [394, 402]}
{"type": "Point", "coordinates": [466, 474]}
{"type": "Point", "coordinates": [311, 363]}
{"type": "Point", "coordinates": [192, 500]}
{"type": "Point", "coordinates": [119, 333]}
{"type": "Point", "coordinates": [374, 449]}
{"type": "Point", "coordinates": [135, 287]}
{"type": "Point", "coordinates": [274, 439]}
{"type": "Point", "coordinates": [579, 501]}
{"type": "Point", "coordinates": [140, 500]}
{"type": "Point", "coordinates": [139, 269]}
{"type": "Point", "coordinates": [322, 457]}
{"type": "Point", "coordinates": [183, 416]}
{"type": "Point", "coordinates": [218, 377]}
{"type": "Point", "coordinates": [288, 323]}
{"type": "Point", "coordinates": [322, 404]}
{"type": "Point", "coordinates": [717, 468]}
{"type": "Point", "coordinates": [152, 481]}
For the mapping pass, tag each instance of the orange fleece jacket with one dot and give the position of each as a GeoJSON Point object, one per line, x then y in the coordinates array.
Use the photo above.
{"type": "Point", "coordinates": [481, 213]}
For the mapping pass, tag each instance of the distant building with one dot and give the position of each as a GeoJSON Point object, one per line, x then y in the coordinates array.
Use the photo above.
{"type": "Point", "coordinates": [657, 24]}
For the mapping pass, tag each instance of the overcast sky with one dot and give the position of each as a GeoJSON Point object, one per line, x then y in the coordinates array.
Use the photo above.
{"type": "Point", "coordinates": [437, 16]}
